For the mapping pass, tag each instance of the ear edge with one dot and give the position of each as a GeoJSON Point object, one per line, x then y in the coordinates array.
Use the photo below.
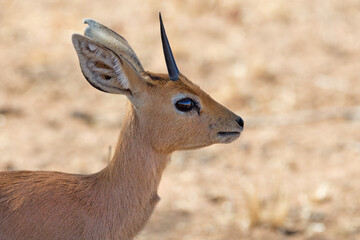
{"type": "Point", "coordinates": [97, 61]}
{"type": "Point", "coordinates": [76, 37]}
{"type": "Point", "coordinates": [122, 70]}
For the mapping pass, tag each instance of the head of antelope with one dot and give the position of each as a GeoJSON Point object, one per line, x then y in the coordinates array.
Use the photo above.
{"type": "Point", "coordinates": [174, 112]}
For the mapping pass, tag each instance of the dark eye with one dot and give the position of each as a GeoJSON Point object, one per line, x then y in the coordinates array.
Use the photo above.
{"type": "Point", "coordinates": [185, 104]}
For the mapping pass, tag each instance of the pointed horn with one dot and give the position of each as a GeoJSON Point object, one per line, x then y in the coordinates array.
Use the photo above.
{"type": "Point", "coordinates": [169, 58]}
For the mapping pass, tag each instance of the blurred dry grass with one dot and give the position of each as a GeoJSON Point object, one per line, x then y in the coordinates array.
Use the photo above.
{"type": "Point", "coordinates": [289, 68]}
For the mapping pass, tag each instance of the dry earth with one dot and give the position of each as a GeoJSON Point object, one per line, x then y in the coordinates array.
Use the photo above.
{"type": "Point", "coordinates": [289, 68]}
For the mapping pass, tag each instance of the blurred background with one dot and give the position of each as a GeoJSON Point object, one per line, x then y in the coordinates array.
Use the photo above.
{"type": "Point", "coordinates": [289, 68]}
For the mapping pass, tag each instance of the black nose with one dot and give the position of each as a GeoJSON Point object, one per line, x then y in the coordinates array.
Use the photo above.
{"type": "Point", "coordinates": [240, 122]}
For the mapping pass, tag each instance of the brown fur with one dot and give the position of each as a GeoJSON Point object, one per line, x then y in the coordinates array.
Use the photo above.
{"type": "Point", "coordinates": [116, 202]}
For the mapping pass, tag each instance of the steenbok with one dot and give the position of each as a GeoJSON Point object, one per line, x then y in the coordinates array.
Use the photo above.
{"type": "Point", "coordinates": [166, 112]}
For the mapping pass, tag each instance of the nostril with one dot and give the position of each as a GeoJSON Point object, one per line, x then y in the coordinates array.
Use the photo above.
{"type": "Point", "coordinates": [240, 122]}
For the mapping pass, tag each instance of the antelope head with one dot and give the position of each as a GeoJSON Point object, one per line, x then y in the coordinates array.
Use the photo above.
{"type": "Point", "coordinates": [174, 113]}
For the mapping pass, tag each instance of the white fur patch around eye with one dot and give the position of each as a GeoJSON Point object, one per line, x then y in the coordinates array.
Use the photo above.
{"type": "Point", "coordinates": [177, 97]}
{"type": "Point", "coordinates": [180, 96]}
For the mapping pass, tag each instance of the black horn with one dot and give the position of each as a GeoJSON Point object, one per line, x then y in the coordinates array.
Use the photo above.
{"type": "Point", "coordinates": [169, 58]}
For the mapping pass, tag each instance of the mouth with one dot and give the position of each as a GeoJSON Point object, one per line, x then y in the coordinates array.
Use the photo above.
{"type": "Point", "coordinates": [228, 134]}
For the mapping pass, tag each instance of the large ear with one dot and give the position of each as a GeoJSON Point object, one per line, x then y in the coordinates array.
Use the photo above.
{"type": "Point", "coordinates": [113, 41]}
{"type": "Point", "coordinates": [104, 69]}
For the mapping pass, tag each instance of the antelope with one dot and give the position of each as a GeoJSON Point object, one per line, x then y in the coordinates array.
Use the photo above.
{"type": "Point", "coordinates": [165, 113]}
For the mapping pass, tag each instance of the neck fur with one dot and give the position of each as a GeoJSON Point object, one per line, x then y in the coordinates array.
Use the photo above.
{"type": "Point", "coordinates": [133, 176]}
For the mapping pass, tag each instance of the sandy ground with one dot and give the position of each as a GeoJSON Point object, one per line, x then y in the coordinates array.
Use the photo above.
{"type": "Point", "coordinates": [289, 68]}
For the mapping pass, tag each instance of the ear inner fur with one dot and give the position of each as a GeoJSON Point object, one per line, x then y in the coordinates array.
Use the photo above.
{"type": "Point", "coordinates": [104, 69]}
